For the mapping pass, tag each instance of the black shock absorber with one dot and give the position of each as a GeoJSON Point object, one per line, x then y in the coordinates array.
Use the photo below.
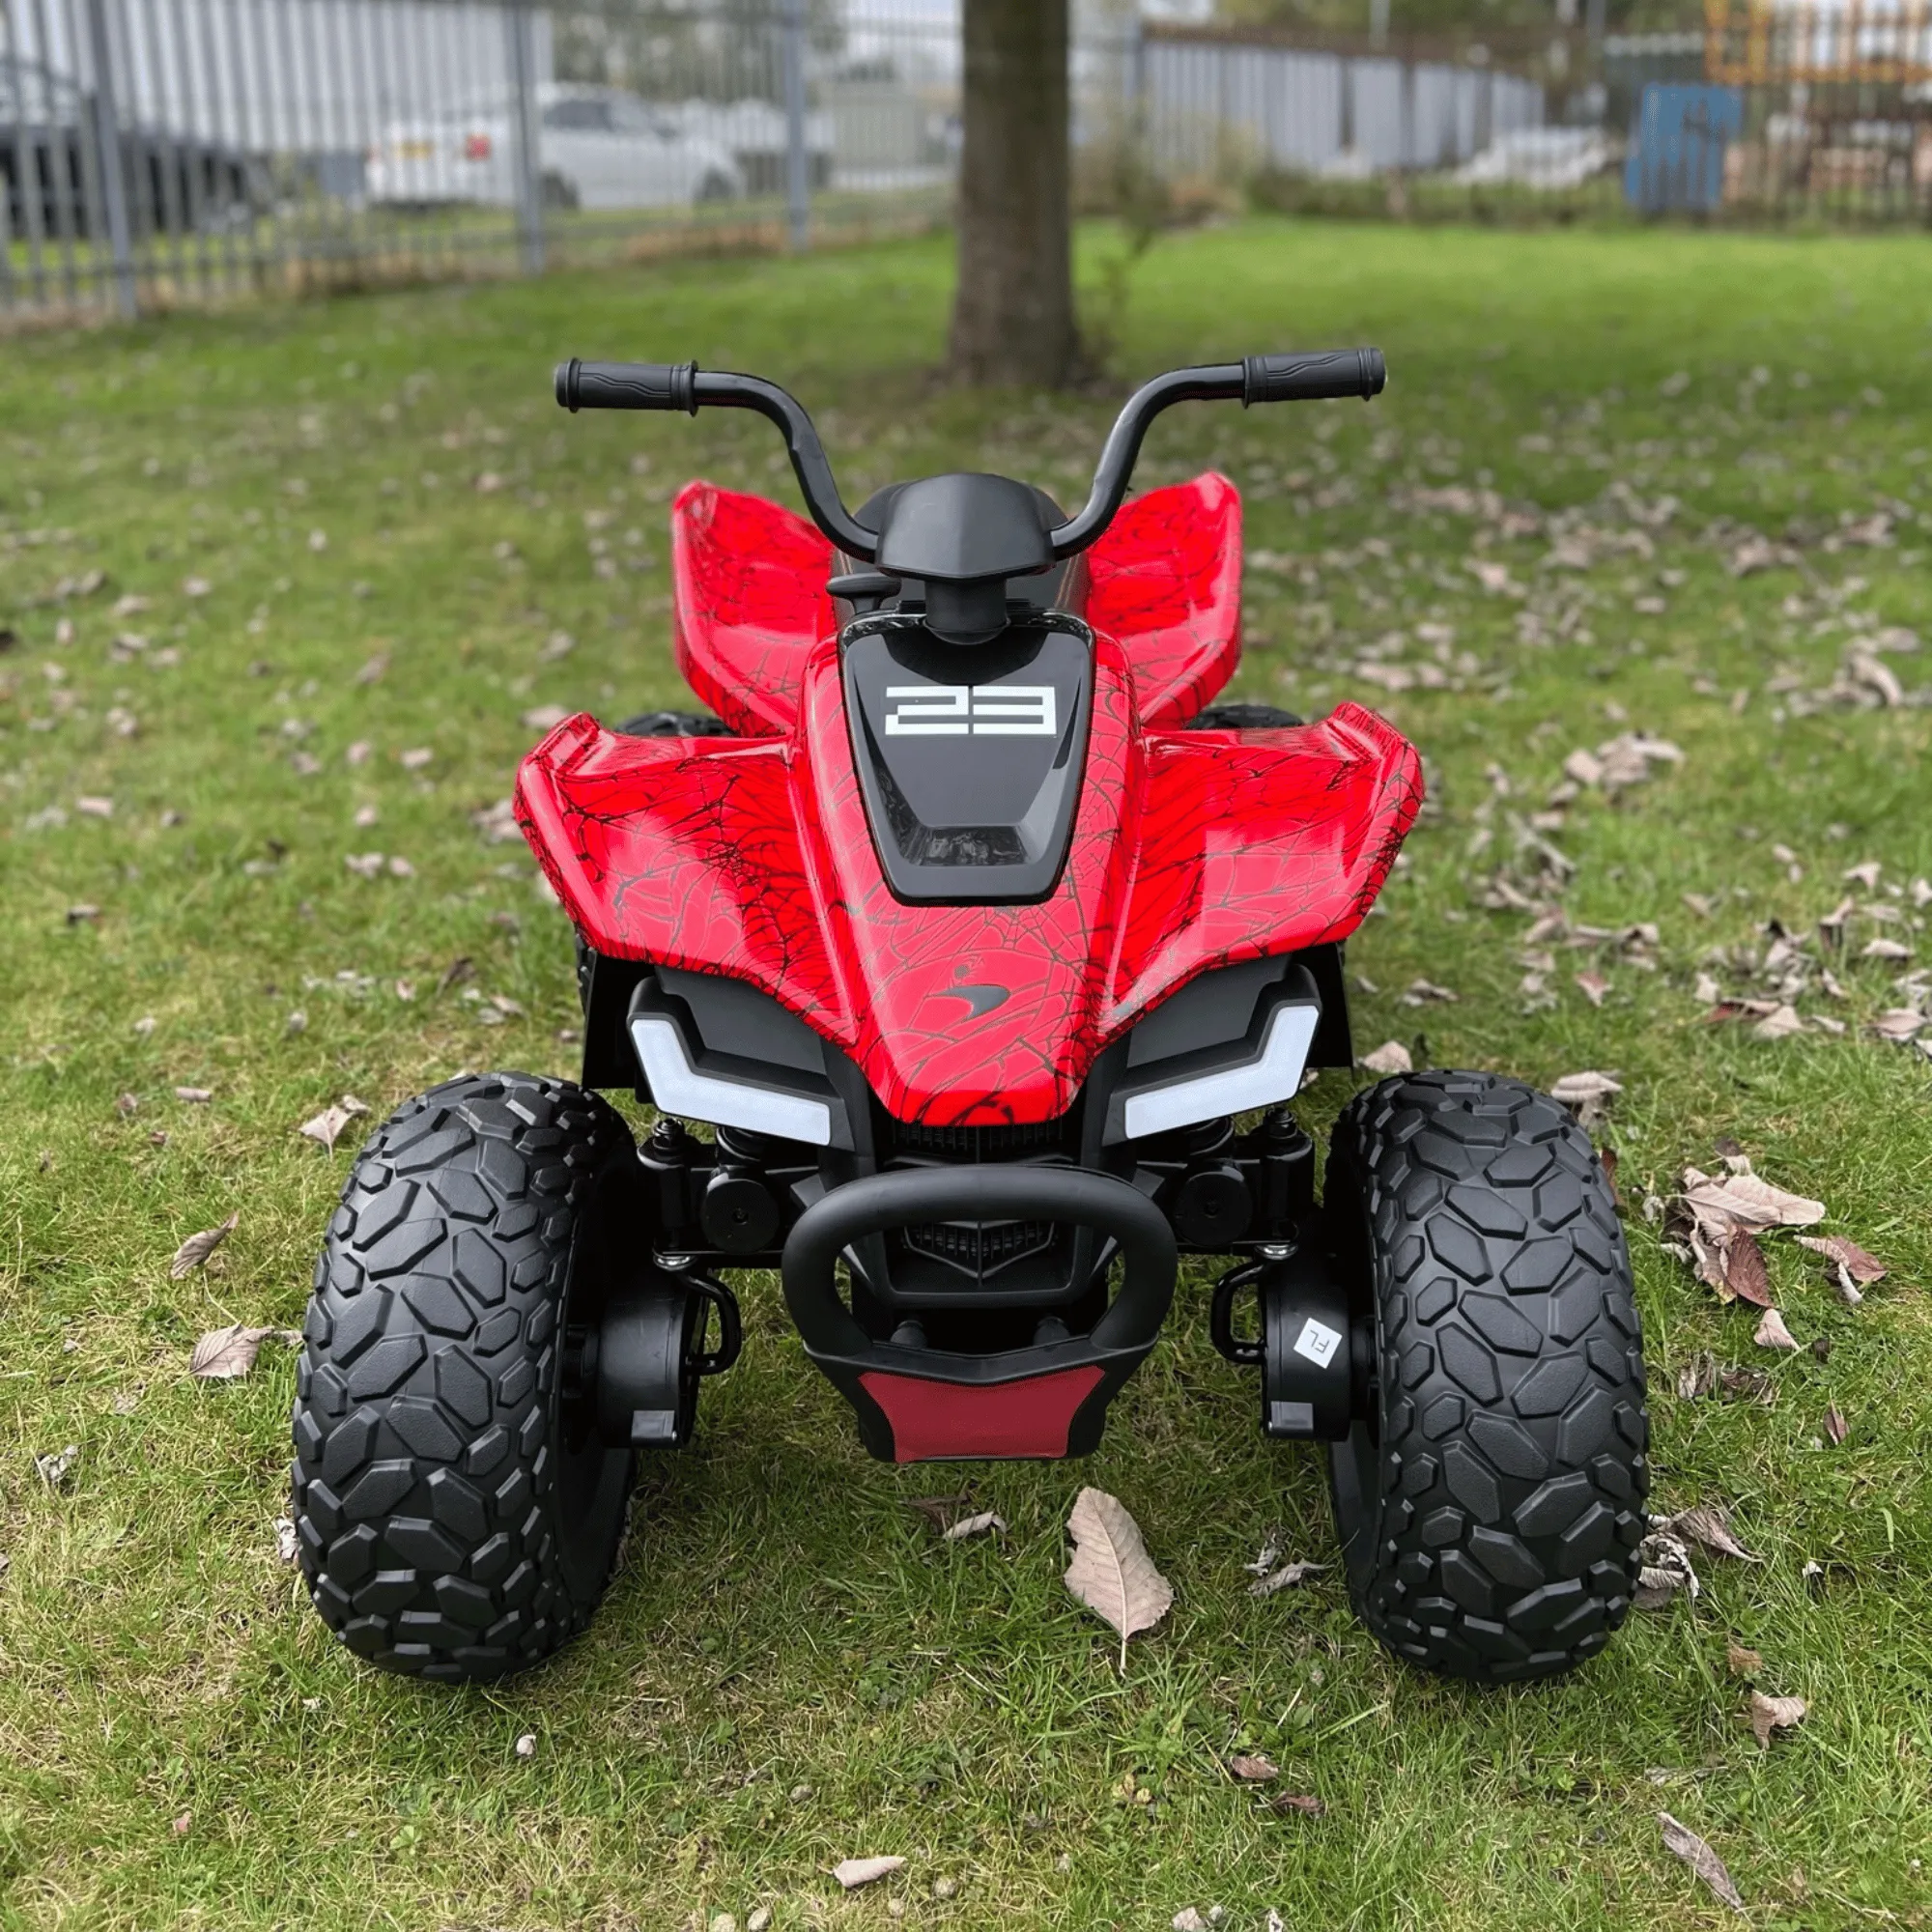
{"type": "Point", "coordinates": [1214, 1207]}
{"type": "Point", "coordinates": [738, 1210]}
{"type": "Point", "coordinates": [1284, 1172]}
{"type": "Point", "coordinates": [666, 1158]}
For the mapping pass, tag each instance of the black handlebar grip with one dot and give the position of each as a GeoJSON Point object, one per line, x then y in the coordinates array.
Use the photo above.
{"type": "Point", "coordinates": [627, 385]}
{"type": "Point", "coordinates": [1323, 374]}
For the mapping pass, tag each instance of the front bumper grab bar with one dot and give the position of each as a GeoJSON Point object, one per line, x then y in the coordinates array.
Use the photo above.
{"type": "Point", "coordinates": [991, 1193]}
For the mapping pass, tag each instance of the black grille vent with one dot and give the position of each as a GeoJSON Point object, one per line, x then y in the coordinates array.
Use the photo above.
{"type": "Point", "coordinates": [979, 1247]}
{"type": "Point", "coordinates": [978, 1142]}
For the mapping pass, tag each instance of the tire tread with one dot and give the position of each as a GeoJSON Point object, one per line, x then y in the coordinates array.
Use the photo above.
{"type": "Point", "coordinates": [425, 1472]}
{"type": "Point", "coordinates": [1512, 1465]}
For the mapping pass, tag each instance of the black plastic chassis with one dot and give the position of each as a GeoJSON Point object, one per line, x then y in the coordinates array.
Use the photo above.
{"type": "Point", "coordinates": [743, 1201]}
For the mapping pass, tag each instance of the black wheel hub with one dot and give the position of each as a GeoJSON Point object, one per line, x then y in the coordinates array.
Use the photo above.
{"type": "Point", "coordinates": [632, 1380]}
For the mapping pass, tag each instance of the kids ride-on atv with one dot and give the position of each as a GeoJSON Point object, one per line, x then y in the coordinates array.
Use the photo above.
{"type": "Point", "coordinates": [973, 932]}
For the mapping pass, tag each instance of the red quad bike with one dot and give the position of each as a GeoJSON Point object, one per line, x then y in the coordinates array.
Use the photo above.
{"type": "Point", "coordinates": [972, 930]}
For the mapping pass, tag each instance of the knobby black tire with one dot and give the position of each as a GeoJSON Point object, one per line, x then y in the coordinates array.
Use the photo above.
{"type": "Point", "coordinates": [1490, 1514]}
{"type": "Point", "coordinates": [451, 1519]}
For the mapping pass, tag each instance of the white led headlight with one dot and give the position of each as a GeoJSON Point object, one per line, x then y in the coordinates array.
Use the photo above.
{"type": "Point", "coordinates": [677, 1086]}
{"type": "Point", "coordinates": [1264, 1082]}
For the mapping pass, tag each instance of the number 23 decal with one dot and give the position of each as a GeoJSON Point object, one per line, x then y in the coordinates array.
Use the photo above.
{"type": "Point", "coordinates": [986, 711]}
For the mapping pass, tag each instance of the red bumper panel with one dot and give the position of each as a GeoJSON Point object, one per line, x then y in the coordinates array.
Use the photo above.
{"type": "Point", "coordinates": [934, 1421]}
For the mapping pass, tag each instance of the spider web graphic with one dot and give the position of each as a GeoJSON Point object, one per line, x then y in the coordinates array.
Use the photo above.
{"type": "Point", "coordinates": [753, 856]}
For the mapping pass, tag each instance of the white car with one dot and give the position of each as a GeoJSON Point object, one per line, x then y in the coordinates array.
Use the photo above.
{"type": "Point", "coordinates": [597, 147]}
{"type": "Point", "coordinates": [1551, 158]}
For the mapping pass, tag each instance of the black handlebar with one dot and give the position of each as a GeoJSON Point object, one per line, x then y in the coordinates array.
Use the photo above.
{"type": "Point", "coordinates": [1317, 376]}
{"type": "Point", "coordinates": [1321, 375]}
{"type": "Point", "coordinates": [627, 385]}
{"type": "Point", "coordinates": [684, 385]}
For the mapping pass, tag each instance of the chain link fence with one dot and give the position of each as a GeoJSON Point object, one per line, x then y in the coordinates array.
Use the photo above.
{"type": "Point", "coordinates": [155, 153]}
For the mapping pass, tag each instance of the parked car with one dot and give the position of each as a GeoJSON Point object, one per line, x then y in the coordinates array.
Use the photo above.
{"type": "Point", "coordinates": [1551, 158]}
{"type": "Point", "coordinates": [597, 147]}
{"type": "Point", "coordinates": [756, 136]}
{"type": "Point", "coordinates": [175, 182]}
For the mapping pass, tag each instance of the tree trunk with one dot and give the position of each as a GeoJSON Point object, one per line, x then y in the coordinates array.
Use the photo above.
{"type": "Point", "coordinates": [1013, 318]}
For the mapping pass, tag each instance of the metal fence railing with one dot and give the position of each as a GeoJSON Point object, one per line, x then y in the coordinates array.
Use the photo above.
{"type": "Point", "coordinates": [1785, 112]}
{"type": "Point", "coordinates": [159, 151]}
{"type": "Point", "coordinates": [155, 153]}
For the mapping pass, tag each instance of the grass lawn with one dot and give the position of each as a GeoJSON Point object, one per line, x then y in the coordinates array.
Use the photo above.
{"type": "Point", "coordinates": [790, 1670]}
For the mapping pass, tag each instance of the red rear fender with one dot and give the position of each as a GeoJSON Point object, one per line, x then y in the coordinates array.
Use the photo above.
{"type": "Point", "coordinates": [748, 604]}
{"type": "Point", "coordinates": [749, 600]}
{"type": "Point", "coordinates": [1166, 580]}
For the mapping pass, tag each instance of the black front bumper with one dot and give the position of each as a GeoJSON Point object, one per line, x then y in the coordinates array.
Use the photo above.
{"type": "Point", "coordinates": [916, 1403]}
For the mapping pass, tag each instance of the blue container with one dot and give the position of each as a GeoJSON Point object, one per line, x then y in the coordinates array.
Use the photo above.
{"type": "Point", "coordinates": [1677, 147]}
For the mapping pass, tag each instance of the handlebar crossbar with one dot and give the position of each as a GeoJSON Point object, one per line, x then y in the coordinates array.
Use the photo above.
{"type": "Point", "coordinates": [1319, 375]}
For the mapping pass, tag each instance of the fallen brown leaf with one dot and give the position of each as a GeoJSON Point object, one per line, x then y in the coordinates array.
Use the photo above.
{"type": "Point", "coordinates": [326, 1126]}
{"type": "Point", "coordinates": [939, 1512]}
{"type": "Point", "coordinates": [1709, 1527]}
{"type": "Point", "coordinates": [1741, 1009]}
{"type": "Point", "coordinates": [1900, 1024]}
{"type": "Point", "coordinates": [1774, 1713]}
{"type": "Point", "coordinates": [1835, 1425]}
{"type": "Point", "coordinates": [1699, 1376]}
{"type": "Point", "coordinates": [1752, 1200]}
{"type": "Point", "coordinates": [1297, 1801]}
{"type": "Point", "coordinates": [1747, 1385]}
{"type": "Point", "coordinates": [1587, 1094]}
{"type": "Point", "coordinates": [1682, 1842]}
{"type": "Point", "coordinates": [1743, 1662]}
{"type": "Point", "coordinates": [1863, 1268]}
{"type": "Point", "coordinates": [1285, 1578]}
{"type": "Point", "coordinates": [1391, 1056]}
{"type": "Point", "coordinates": [226, 1354]}
{"type": "Point", "coordinates": [1111, 1570]}
{"type": "Point", "coordinates": [1607, 1159]}
{"type": "Point", "coordinates": [1711, 1216]}
{"type": "Point", "coordinates": [852, 1873]}
{"type": "Point", "coordinates": [984, 1522]}
{"type": "Point", "coordinates": [197, 1248]}
{"type": "Point", "coordinates": [1593, 986]}
{"type": "Point", "coordinates": [1745, 1272]}
{"type": "Point", "coordinates": [1772, 1333]}
{"type": "Point", "coordinates": [1252, 1768]}
{"type": "Point", "coordinates": [1663, 1568]}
